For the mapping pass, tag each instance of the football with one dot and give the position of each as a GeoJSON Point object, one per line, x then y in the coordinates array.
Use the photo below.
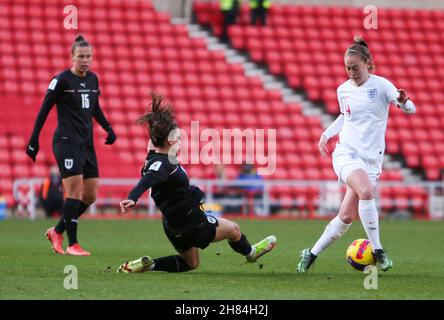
{"type": "Point", "coordinates": [360, 254]}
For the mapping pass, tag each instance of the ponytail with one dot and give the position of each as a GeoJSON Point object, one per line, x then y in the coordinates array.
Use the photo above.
{"type": "Point", "coordinates": [160, 120]}
{"type": "Point", "coordinates": [360, 47]}
{"type": "Point", "coordinates": [79, 42]}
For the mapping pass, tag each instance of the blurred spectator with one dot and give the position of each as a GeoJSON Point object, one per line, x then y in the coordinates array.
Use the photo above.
{"type": "Point", "coordinates": [252, 194]}
{"type": "Point", "coordinates": [218, 191]}
{"type": "Point", "coordinates": [219, 174]}
{"type": "Point", "coordinates": [220, 171]}
{"type": "Point", "coordinates": [2, 207]}
{"type": "Point", "coordinates": [230, 10]}
{"type": "Point", "coordinates": [259, 10]}
{"type": "Point", "coordinates": [51, 194]}
{"type": "Point", "coordinates": [248, 172]}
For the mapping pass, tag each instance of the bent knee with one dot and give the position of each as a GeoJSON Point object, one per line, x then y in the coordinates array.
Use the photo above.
{"type": "Point", "coordinates": [89, 199]}
{"type": "Point", "coordinates": [74, 195]}
{"type": "Point", "coordinates": [235, 231]}
{"type": "Point", "coordinates": [366, 194]}
{"type": "Point", "coordinates": [193, 264]}
{"type": "Point", "coordinates": [346, 218]}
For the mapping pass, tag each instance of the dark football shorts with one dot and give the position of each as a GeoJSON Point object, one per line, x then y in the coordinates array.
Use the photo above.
{"type": "Point", "coordinates": [75, 159]}
{"type": "Point", "coordinates": [185, 237]}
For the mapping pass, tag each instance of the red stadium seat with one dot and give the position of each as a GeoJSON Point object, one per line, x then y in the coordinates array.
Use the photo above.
{"type": "Point", "coordinates": [139, 50]}
{"type": "Point", "coordinates": [318, 25]}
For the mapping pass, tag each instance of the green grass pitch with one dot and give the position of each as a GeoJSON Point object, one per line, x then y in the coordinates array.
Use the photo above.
{"type": "Point", "coordinates": [30, 270]}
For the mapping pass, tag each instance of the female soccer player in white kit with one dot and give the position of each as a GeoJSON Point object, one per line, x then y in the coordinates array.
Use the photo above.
{"type": "Point", "coordinates": [364, 102]}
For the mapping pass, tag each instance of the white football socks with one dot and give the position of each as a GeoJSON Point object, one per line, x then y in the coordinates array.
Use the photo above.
{"type": "Point", "coordinates": [370, 220]}
{"type": "Point", "coordinates": [333, 231]}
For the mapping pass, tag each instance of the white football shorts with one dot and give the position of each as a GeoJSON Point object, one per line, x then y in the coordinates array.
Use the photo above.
{"type": "Point", "coordinates": [346, 160]}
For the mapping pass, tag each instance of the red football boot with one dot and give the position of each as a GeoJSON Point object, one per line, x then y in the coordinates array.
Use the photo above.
{"type": "Point", "coordinates": [56, 240]}
{"type": "Point", "coordinates": [77, 250]}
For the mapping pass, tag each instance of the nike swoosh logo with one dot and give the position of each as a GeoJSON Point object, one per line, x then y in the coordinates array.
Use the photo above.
{"type": "Point", "coordinates": [31, 148]}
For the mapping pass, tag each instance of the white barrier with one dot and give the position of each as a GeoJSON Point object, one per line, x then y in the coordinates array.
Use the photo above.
{"type": "Point", "coordinates": [324, 199]}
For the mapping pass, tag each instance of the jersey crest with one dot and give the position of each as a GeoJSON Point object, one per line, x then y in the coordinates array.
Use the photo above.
{"type": "Point", "coordinates": [372, 94]}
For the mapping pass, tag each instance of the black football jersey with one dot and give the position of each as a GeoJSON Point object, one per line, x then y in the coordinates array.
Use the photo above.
{"type": "Point", "coordinates": [77, 100]}
{"type": "Point", "coordinates": [170, 190]}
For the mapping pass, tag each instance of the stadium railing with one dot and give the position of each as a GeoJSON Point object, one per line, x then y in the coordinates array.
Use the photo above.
{"type": "Point", "coordinates": [257, 198]}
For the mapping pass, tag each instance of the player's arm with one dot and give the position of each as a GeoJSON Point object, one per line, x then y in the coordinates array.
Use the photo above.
{"type": "Point", "coordinates": [399, 98]}
{"type": "Point", "coordinates": [334, 128]}
{"type": "Point", "coordinates": [330, 132]}
{"type": "Point", "coordinates": [156, 173]}
{"type": "Point", "coordinates": [104, 123]}
{"type": "Point", "coordinates": [404, 103]}
{"type": "Point", "coordinates": [54, 92]}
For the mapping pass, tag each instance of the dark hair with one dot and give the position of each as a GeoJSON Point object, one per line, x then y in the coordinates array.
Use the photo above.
{"type": "Point", "coordinates": [79, 42]}
{"type": "Point", "coordinates": [160, 120]}
{"type": "Point", "coordinates": [360, 47]}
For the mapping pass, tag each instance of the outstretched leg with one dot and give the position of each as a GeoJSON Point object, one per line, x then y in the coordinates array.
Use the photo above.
{"type": "Point", "coordinates": [188, 259]}
{"type": "Point", "coordinates": [333, 231]}
{"type": "Point", "coordinates": [185, 261]}
{"type": "Point", "coordinates": [230, 230]}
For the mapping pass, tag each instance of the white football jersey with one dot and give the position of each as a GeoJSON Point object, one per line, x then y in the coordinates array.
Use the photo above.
{"type": "Point", "coordinates": [365, 109]}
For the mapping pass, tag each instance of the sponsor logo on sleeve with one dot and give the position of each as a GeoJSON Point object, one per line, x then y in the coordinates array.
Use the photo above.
{"type": "Point", "coordinates": [52, 84]}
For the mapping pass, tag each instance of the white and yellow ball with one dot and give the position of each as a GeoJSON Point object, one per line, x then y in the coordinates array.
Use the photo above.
{"type": "Point", "coordinates": [360, 254]}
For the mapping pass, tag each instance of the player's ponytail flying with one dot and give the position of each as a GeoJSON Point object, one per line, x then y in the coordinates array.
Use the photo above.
{"type": "Point", "coordinates": [160, 121]}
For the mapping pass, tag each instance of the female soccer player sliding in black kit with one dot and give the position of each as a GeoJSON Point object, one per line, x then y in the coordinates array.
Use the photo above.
{"type": "Point", "coordinates": [185, 223]}
{"type": "Point", "coordinates": [76, 92]}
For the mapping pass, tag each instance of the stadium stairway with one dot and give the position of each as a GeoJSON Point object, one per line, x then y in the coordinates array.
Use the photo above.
{"type": "Point", "coordinates": [302, 42]}
{"type": "Point", "coordinates": [207, 13]}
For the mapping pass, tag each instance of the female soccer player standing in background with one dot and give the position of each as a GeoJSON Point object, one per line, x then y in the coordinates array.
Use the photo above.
{"type": "Point", "coordinates": [364, 102]}
{"type": "Point", "coordinates": [76, 92]}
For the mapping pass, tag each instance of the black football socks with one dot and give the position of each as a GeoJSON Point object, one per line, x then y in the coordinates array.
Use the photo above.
{"type": "Point", "coordinates": [60, 227]}
{"type": "Point", "coordinates": [70, 216]}
{"type": "Point", "coordinates": [171, 264]}
{"type": "Point", "coordinates": [241, 246]}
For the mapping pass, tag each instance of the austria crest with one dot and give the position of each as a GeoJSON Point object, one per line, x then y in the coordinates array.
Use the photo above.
{"type": "Point", "coordinates": [69, 163]}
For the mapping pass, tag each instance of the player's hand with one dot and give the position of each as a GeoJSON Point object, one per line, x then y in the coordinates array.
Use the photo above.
{"type": "Point", "coordinates": [111, 138]}
{"type": "Point", "coordinates": [402, 98]}
{"type": "Point", "coordinates": [32, 149]}
{"type": "Point", "coordinates": [125, 205]}
{"type": "Point", "coordinates": [322, 145]}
